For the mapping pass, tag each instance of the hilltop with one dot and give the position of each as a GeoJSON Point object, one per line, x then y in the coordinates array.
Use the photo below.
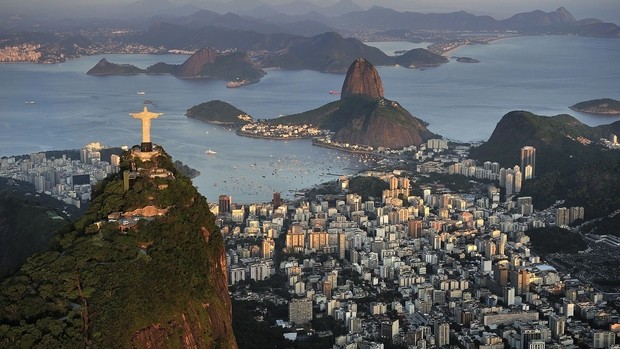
{"type": "Point", "coordinates": [561, 141]}
{"type": "Point", "coordinates": [103, 67]}
{"type": "Point", "coordinates": [144, 267]}
{"type": "Point", "coordinates": [219, 112]}
{"type": "Point", "coordinates": [570, 163]}
{"type": "Point", "coordinates": [363, 116]}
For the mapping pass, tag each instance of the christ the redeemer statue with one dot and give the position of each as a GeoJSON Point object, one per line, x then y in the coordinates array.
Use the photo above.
{"type": "Point", "coordinates": [146, 117]}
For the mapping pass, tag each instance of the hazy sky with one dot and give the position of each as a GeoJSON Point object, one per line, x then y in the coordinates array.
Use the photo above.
{"type": "Point", "coordinates": [607, 10]}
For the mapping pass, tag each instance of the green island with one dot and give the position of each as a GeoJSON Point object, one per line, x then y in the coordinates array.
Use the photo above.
{"type": "Point", "coordinates": [466, 60]}
{"type": "Point", "coordinates": [219, 112]}
{"type": "Point", "coordinates": [603, 106]}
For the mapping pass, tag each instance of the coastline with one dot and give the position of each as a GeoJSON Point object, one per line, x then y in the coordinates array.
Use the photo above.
{"type": "Point", "coordinates": [593, 112]}
{"type": "Point", "coordinates": [238, 132]}
{"type": "Point", "coordinates": [451, 51]}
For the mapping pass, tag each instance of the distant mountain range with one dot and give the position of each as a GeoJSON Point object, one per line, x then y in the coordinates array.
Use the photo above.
{"type": "Point", "coordinates": [560, 21]}
{"type": "Point", "coordinates": [300, 18]}
{"type": "Point", "coordinates": [208, 28]}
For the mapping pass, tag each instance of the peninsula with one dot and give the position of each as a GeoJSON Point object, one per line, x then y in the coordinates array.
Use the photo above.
{"type": "Point", "coordinates": [363, 116]}
{"type": "Point", "coordinates": [603, 106]}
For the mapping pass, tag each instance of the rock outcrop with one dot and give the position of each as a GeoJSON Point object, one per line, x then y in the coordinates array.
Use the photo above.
{"type": "Point", "coordinates": [384, 124]}
{"type": "Point", "coordinates": [363, 116]}
{"type": "Point", "coordinates": [193, 65]}
{"type": "Point", "coordinates": [362, 79]}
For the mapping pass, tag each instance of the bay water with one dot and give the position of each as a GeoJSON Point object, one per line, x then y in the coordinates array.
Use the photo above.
{"type": "Point", "coordinates": [46, 107]}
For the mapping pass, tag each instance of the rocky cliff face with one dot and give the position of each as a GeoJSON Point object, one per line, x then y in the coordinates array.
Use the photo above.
{"type": "Point", "coordinates": [370, 119]}
{"type": "Point", "coordinates": [157, 282]}
{"type": "Point", "coordinates": [382, 123]}
{"type": "Point", "coordinates": [192, 66]}
{"type": "Point", "coordinates": [362, 79]}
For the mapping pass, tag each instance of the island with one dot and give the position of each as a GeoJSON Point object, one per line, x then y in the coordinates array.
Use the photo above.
{"type": "Point", "coordinates": [603, 106]}
{"type": "Point", "coordinates": [220, 113]}
{"type": "Point", "coordinates": [104, 67]}
{"type": "Point", "coordinates": [206, 63]}
{"type": "Point", "coordinates": [466, 60]}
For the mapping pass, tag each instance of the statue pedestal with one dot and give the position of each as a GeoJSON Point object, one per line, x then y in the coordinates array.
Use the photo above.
{"type": "Point", "coordinates": [145, 155]}
{"type": "Point", "coordinates": [146, 147]}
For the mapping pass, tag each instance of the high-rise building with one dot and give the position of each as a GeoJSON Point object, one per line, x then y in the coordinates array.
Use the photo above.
{"type": "Point", "coordinates": [415, 228]}
{"type": "Point", "coordinates": [528, 157]}
{"type": "Point", "coordinates": [327, 289]}
{"type": "Point", "coordinates": [520, 280]}
{"type": "Point", "coordinates": [562, 217]}
{"type": "Point", "coordinates": [518, 180]}
{"type": "Point", "coordinates": [495, 167]}
{"type": "Point", "coordinates": [528, 172]}
{"type": "Point", "coordinates": [342, 244]}
{"type": "Point", "coordinates": [389, 328]}
{"type": "Point", "coordinates": [295, 241]}
{"type": "Point", "coordinates": [442, 334]}
{"type": "Point", "coordinates": [509, 183]}
{"type": "Point", "coordinates": [529, 335]}
{"type": "Point", "coordinates": [509, 295]}
{"type": "Point", "coordinates": [536, 344]}
{"type": "Point", "coordinates": [603, 339]}
{"type": "Point", "coordinates": [557, 324]}
{"type": "Point", "coordinates": [267, 248]}
{"type": "Point", "coordinates": [277, 199]}
{"type": "Point", "coordinates": [225, 204]}
{"type": "Point", "coordinates": [575, 213]}
{"type": "Point", "coordinates": [502, 177]}
{"type": "Point", "coordinates": [524, 200]}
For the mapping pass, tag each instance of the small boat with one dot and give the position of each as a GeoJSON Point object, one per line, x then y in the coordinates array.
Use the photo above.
{"type": "Point", "coordinates": [31, 102]}
{"type": "Point", "coordinates": [210, 152]}
{"type": "Point", "coordinates": [334, 92]}
{"type": "Point", "coordinates": [141, 93]}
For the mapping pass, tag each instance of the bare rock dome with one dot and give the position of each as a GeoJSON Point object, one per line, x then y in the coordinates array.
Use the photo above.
{"type": "Point", "coordinates": [362, 79]}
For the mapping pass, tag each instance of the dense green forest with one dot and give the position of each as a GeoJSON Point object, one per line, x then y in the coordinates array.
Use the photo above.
{"type": "Point", "coordinates": [556, 240]}
{"type": "Point", "coordinates": [594, 186]}
{"type": "Point", "coordinates": [368, 187]}
{"type": "Point", "coordinates": [99, 287]}
{"type": "Point", "coordinates": [28, 222]}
